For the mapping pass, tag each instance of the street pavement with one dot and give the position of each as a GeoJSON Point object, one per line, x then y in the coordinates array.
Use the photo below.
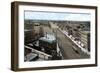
{"type": "Point", "coordinates": [68, 48]}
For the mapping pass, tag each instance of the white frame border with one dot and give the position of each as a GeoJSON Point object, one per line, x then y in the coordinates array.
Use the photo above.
{"type": "Point", "coordinates": [23, 64]}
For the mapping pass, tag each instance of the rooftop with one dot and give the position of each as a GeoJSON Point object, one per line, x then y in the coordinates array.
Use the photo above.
{"type": "Point", "coordinates": [48, 38]}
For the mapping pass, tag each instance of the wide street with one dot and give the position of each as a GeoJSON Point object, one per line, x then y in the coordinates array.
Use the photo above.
{"type": "Point", "coordinates": [68, 48]}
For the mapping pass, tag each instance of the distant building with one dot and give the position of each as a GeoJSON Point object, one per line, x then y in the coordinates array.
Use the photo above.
{"type": "Point", "coordinates": [85, 39]}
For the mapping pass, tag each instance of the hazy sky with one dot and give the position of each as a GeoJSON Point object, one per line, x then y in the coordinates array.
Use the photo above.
{"type": "Point", "coordinates": [56, 16]}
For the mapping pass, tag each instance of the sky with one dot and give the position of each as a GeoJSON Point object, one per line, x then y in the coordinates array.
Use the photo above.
{"type": "Point", "coordinates": [36, 15]}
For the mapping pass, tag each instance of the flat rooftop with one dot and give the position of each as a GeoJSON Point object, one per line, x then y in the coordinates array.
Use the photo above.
{"type": "Point", "coordinates": [48, 38]}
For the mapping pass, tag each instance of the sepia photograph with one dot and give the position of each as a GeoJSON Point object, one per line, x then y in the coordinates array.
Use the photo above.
{"type": "Point", "coordinates": [52, 36]}
{"type": "Point", "coordinates": [56, 36]}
